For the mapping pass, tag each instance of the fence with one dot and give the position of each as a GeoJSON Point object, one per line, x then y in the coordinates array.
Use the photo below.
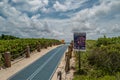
{"type": "Point", "coordinates": [6, 59]}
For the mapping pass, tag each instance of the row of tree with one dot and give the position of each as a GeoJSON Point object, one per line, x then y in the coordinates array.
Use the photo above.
{"type": "Point", "coordinates": [7, 37]}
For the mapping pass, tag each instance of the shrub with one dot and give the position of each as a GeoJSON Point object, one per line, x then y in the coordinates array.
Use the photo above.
{"type": "Point", "coordinates": [106, 58]}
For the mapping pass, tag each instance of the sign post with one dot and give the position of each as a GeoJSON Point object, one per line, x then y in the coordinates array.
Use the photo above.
{"type": "Point", "coordinates": [79, 44]}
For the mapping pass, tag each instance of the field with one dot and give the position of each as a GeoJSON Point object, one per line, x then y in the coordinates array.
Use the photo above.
{"type": "Point", "coordinates": [100, 61]}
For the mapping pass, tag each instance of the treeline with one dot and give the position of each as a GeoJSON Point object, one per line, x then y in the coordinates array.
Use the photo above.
{"type": "Point", "coordinates": [107, 41]}
{"type": "Point", "coordinates": [7, 37]}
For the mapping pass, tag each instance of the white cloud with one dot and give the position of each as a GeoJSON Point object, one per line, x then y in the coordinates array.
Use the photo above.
{"type": "Point", "coordinates": [45, 2]}
{"type": "Point", "coordinates": [59, 7]}
{"type": "Point", "coordinates": [74, 4]}
{"type": "Point", "coordinates": [102, 16]}
{"type": "Point", "coordinates": [30, 5]}
{"type": "Point", "coordinates": [35, 17]}
{"type": "Point", "coordinates": [45, 10]}
{"type": "Point", "coordinates": [37, 4]}
{"type": "Point", "coordinates": [68, 5]}
{"type": "Point", "coordinates": [19, 24]}
{"type": "Point", "coordinates": [96, 20]}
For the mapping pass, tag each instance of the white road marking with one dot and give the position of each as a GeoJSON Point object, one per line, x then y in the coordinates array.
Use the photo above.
{"type": "Point", "coordinates": [40, 68]}
{"type": "Point", "coordinates": [56, 67]}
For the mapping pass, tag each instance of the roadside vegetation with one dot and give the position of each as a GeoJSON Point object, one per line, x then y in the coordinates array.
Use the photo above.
{"type": "Point", "coordinates": [17, 46]}
{"type": "Point", "coordinates": [101, 61]}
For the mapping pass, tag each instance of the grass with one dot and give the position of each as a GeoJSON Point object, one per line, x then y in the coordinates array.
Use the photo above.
{"type": "Point", "coordinates": [85, 77]}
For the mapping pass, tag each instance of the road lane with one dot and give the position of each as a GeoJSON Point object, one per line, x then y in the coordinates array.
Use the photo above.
{"type": "Point", "coordinates": [43, 68]}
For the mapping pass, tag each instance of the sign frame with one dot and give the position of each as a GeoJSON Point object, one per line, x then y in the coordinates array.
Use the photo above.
{"type": "Point", "coordinates": [79, 39]}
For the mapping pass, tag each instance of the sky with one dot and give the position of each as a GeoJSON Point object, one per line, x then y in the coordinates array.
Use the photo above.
{"type": "Point", "coordinates": [59, 19]}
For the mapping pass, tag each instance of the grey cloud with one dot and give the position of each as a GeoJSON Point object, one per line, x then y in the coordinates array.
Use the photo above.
{"type": "Point", "coordinates": [116, 28]}
{"type": "Point", "coordinates": [84, 27]}
{"type": "Point", "coordinates": [46, 28]}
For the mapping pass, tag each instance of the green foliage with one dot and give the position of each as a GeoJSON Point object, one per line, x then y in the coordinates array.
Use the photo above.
{"type": "Point", "coordinates": [17, 46]}
{"type": "Point", "coordinates": [84, 77]}
{"type": "Point", "coordinates": [7, 37]}
{"type": "Point", "coordinates": [101, 61]}
{"type": "Point", "coordinates": [106, 56]}
{"type": "Point", "coordinates": [107, 41]}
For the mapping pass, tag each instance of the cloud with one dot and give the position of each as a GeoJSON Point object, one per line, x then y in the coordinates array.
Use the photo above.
{"type": "Point", "coordinates": [68, 5]}
{"type": "Point", "coordinates": [45, 10]}
{"type": "Point", "coordinates": [83, 27]}
{"type": "Point", "coordinates": [14, 22]}
{"type": "Point", "coordinates": [101, 16]}
{"type": "Point", "coordinates": [37, 18]}
{"type": "Point", "coordinates": [29, 5]}
{"type": "Point", "coordinates": [59, 7]}
{"type": "Point", "coordinates": [116, 28]}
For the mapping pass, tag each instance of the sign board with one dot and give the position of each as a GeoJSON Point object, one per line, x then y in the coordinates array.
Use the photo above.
{"type": "Point", "coordinates": [80, 41]}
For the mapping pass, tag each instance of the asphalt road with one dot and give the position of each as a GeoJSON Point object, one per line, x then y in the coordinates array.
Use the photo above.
{"type": "Point", "coordinates": [43, 68]}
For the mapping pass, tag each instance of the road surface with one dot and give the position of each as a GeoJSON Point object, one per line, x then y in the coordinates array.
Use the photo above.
{"type": "Point", "coordinates": [43, 68]}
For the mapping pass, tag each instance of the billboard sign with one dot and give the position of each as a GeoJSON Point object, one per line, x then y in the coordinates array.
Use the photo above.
{"type": "Point", "coordinates": [80, 41]}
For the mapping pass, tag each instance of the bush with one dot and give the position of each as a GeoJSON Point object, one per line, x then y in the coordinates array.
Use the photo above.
{"type": "Point", "coordinates": [107, 41]}
{"type": "Point", "coordinates": [106, 58]}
